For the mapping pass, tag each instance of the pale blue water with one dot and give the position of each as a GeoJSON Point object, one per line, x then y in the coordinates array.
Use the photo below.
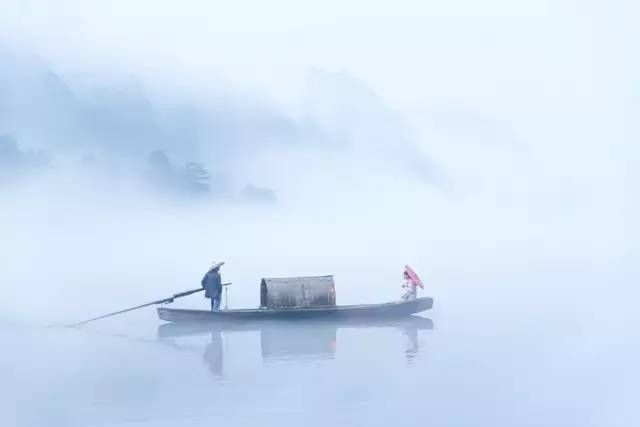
{"type": "Point", "coordinates": [501, 361]}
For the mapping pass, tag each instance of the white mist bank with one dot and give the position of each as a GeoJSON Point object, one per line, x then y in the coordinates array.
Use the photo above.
{"type": "Point", "coordinates": [493, 151]}
{"type": "Point", "coordinates": [71, 255]}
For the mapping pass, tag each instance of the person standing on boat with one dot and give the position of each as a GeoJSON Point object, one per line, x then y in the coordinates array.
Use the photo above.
{"type": "Point", "coordinates": [212, 284]}
{"type": "Point", "coordinates": [411, 283]}
{"type": "Point", "coordinates": [409, 286]}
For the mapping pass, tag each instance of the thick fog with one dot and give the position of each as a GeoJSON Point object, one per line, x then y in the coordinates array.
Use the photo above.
{"type": "Point", "coordinates": [493, 147]}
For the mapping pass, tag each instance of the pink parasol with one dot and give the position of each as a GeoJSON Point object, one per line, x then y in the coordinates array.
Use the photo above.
{"type": "Point", "coordinates": [413, 277]}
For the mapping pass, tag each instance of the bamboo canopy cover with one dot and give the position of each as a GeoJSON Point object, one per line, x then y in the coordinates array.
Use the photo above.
{"type": "Point", "coordinates": [297, 292]}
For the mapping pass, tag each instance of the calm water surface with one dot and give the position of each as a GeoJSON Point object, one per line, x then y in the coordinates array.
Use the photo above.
{"type": "Point", "coordinates": [494, 363]}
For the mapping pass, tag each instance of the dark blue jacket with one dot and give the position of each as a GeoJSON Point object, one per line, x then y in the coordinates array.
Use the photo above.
{"type": "Point", "coordinates": [212, 284]}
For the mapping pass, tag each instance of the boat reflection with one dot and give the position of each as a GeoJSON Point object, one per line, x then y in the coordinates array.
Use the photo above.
{"type": "Point", "coordinates": [289, 341]}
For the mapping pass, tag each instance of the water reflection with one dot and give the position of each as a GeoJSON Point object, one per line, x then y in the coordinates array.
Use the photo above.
{"type": "Point", "coordinates": [289, 341]}
{"type": "Point", "coordinates": [214, 353]}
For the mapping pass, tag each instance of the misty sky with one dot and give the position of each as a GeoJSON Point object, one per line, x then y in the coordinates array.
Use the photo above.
{"type": "Point", "coordinates": [556, 78]}
{"type": "Point", "coordinates": [501, 128]}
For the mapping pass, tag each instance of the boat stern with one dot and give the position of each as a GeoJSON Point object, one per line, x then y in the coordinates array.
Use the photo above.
{"type": "Point", "coordinates": [164, 314]}
{"type": "Point", "coordinates": [423, 304]}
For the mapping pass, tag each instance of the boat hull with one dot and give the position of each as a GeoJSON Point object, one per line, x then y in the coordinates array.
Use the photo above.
{"type": "Point", "coordinates": [364, 311]}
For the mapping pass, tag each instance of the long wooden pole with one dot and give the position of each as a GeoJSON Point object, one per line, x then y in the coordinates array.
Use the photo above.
{"type": "Point", "coordinates": [160, 301]}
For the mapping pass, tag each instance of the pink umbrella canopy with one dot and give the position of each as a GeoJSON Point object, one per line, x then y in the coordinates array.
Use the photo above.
{"type": "Point", "coordinates": [413, 277]}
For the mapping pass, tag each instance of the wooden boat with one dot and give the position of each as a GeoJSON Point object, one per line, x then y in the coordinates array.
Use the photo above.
{"type": "Point", "coordinates": [395, 309]}
{"type": "Point", "coordinates": [289, 298]}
